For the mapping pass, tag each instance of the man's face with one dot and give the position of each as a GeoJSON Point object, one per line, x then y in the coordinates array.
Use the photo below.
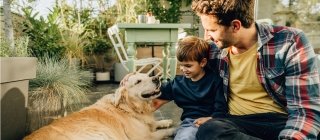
{"type": "Point", "coordinates": [222, 36]}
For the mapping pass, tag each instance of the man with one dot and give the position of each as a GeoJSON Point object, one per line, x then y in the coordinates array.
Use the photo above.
{"type": "Point", "coordinates": [270, 76]}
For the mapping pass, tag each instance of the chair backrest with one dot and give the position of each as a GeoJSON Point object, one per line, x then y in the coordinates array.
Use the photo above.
{"type": "Point", "coordinates": [116, 41]}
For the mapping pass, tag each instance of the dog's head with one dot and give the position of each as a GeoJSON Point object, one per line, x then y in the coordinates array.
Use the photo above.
{"type": "Point", "coordinates": [136, 88]}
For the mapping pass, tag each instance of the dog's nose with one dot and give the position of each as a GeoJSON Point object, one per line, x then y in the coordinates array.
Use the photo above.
{"type": "Point", "coordinates": [155, 79]}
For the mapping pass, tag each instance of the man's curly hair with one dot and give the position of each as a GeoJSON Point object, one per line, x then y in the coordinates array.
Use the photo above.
{"type": "Point", "coordinates": [226, 10]}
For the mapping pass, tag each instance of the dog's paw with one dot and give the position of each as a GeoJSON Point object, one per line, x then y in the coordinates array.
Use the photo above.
{"type": "Point", "coordinates": [164, 123]}
{"type": "Point", "coordinates": [162, 134]}
{"type": "Point", "coordinates": [170, 132]}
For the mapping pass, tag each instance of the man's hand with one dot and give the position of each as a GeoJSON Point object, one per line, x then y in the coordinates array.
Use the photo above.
{"type": "Point", "coordinates": [200, 121]}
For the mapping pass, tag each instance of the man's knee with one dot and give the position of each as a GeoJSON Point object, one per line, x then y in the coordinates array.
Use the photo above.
{"type": "Point", "coordinates": [214, 129]}
{"type": "Point", "coordinates": [215, 126]}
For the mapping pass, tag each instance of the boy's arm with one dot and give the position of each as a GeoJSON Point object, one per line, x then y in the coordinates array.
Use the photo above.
{"type": "Point", "coordinates": [157, 103]}
{"type": "Point", "coordinates": [201, 121]}
{"type": "Point", "coordinates": [165, 97]}
{"type": "Point", "coordinates": [220, 105]}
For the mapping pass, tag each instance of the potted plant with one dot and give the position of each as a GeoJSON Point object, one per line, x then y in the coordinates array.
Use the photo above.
{"type": "Point", "coordinates": [58, 89]}
{"type": "Point", "coordinates": [74, 38]}
{"type": "Point", "coordinates": [100, 49]}
{"type": "Point", "coordinates": [45, 36]}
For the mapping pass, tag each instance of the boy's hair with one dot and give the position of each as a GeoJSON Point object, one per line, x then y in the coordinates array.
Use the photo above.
{"type": "Point", "coordinates": [192, 48]}
{"type": "Point", "coordinates": [226, 10]}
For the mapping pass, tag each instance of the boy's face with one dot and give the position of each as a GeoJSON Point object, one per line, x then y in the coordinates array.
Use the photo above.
{"type": "Point", "coordinates": [222, 36]}
{"type": "Point", "coordinates": [193, 69]}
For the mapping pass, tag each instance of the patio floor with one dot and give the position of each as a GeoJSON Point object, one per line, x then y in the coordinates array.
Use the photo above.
{"type": "Point", "coordinates": [167, 111]}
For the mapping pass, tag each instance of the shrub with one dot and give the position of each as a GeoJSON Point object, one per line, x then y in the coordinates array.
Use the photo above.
{"type": "Point", "coordinates": [20, 49]}
{"type": "Point", "coordinates": [57, 89]}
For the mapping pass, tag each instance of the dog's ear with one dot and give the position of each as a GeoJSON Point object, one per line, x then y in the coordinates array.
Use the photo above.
{"type": "Point", "coordinates": [119, 95]}
{"type": "Point", "coordinates": [125, 78]}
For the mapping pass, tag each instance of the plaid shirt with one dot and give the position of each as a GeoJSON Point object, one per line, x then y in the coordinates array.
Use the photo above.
{"type": "Point", "coordinates": [287, 69]}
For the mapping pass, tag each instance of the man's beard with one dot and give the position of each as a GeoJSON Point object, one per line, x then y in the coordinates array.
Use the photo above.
{"type": "Point", "coordinates": [223, 45]}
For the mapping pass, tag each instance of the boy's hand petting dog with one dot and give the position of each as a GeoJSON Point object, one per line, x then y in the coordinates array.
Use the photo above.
{"type": "Point", "coordinates": [200, 121]}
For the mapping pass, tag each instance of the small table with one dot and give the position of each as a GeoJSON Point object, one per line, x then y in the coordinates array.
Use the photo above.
{"type": "Point", "coordinates": [153, 33]}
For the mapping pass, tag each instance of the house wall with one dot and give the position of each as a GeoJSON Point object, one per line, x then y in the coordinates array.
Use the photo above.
{"type": "Point", "coordinates": [311, 30]}
{"type": "Point", "coordinates": [266, 8]}
{"type": "Point", "coordinates": [17, 21]}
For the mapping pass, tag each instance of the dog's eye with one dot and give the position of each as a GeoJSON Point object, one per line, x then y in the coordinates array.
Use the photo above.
{"type": "Point", "coordinates": [138, 81]}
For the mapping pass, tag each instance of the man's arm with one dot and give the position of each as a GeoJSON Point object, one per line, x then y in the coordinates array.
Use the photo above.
{"type": "Point", "coordinates": [301, 91]}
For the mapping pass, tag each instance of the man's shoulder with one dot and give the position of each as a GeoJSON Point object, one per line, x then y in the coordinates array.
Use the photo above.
{"type": "Point", "coordinates": [279, 37]}
{"type": "Point", "coordinates": [266, 29]}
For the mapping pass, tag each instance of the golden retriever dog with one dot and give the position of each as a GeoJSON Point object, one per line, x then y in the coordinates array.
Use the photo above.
{"type": "Point", "coordinates": [125, 115]}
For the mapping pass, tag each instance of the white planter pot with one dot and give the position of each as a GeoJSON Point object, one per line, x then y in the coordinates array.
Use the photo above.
{"type": "Point", "coordinates": [119, 72]}
{"type": "Point", "coordinates": [102, 76]}
{"type": "Point", "coordinates": [14, 83]}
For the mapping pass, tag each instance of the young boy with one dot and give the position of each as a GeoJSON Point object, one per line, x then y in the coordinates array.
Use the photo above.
{"type": "Point", "coordinates": [198, 92]}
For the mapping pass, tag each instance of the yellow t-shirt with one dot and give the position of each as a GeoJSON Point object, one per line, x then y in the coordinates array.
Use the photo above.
{"type": "Point", "coordinates": [247, 94]}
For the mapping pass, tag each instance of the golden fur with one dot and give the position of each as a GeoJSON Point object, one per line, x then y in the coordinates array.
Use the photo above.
{"type": "Point", "coordinates": [125, 115]}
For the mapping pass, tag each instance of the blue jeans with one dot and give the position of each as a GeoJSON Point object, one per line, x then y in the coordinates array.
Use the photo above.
{"type": "Point", "coordinates": [266, 126]}
{"type": "Point", "coordinates": [187, 130]}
